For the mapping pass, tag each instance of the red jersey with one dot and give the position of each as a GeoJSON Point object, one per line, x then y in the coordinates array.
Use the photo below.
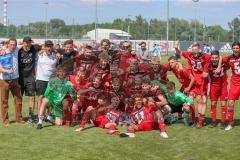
{"type": "Point", "coordinates": [183, 76]}
{"type": "Point", "coordinates": [91, 98]}
{"type": "Point", "coordinates": [87, 63]}
{"type": "Point", "coordinates": [105, 74]}
{"type": "Point", "coordinates": [113, 115]}
{"type": "Point", "coordinates": [125, 59]}
{"type": "Point", "coordinates": [197, 65]}
{"type": "Point", "coordinates": [145, 114]}
{"type": "Point", "coordinates": [234, 63]}
{"type": "Point", "coordinates": [78, 84]}
{"type": "Point", "coordinates": [217, 78]}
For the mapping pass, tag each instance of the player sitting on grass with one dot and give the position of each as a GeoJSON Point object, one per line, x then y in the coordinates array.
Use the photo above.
{"type": "Point", "coordinates": [143, 118]}
{"type": "Point", "coordinates": [103, 116]}
{"type": "Point", "coordinates": [56, 91]}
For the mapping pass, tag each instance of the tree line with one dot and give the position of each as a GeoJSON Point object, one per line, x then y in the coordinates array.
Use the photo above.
{"type": "Point", "coordinates": [140, 28]}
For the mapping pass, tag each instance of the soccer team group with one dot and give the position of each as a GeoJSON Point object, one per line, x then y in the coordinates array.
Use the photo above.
{"type": "Point", "coordinates": [117, 87]}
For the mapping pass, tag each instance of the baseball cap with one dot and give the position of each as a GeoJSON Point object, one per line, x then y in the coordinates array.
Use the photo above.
{"type": "Point", "coordinates": [27, 39]}
{"type": "Point", "coordinates": [48, 43]}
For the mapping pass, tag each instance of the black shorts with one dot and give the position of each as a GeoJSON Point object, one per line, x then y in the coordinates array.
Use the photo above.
{"type": "Point", "coordinates": [28, 85]}
{"type": "Point", "coordinates": [41, 87]}
{"type": "Point", "coordinates": [176, 109]}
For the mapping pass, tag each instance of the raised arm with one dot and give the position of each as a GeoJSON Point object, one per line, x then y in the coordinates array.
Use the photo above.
{"type": "Point", "coordinates": [176, 47]}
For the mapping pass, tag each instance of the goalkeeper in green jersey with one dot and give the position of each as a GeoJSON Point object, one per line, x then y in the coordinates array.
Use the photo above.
{"type": "Point", "coordinates": [57, 89]}
{"type": "Point", "coordinates": [179, 102]}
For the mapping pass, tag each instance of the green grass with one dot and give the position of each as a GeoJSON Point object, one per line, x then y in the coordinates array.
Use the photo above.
{"type": "Point", "coordinates": [60, 143]}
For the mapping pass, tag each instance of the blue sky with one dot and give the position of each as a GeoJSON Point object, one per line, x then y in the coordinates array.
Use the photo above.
{"type": "Point", "coordinates": [215, 12]}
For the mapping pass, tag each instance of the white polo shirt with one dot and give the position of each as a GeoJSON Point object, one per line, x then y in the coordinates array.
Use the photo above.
{"type": "Point", "coordinates": [46, 66]}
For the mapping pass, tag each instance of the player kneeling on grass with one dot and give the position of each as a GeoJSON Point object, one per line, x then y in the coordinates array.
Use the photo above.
{"type": "Point", "coordinates": [143, 118]}
{"type": "Point", "coordinates": [179, 102]}
{"type": "Point", "coordinates": [104, 115]}
{"type": "Point", "coordinates": [56, 91]}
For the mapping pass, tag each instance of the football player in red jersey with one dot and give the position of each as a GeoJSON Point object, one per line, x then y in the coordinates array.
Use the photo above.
{"type": "Point", "coordinates": [133, 70]}
{"type": "Point", "coordinates": [186, 78]}
{"type": "Point", "coordinates": [218, 88]}
{"type": "Point", "coordinates": [102, 69]}
{"type": "Point", "coordinates": [126, 55]}
{"type": "Point", "coordinates": [143, 119]}
{"type": "Point", "coordinates": [158, 71]}
{"type": "Point", "coordinates": [80, 85]}
{"type": "Point", "coordinates": [198, 61]}
{"type": "Point", "coordinates": [104, 116]}
{"type": "Point", "coordinates": [233, 62]}
{"type": "Point", "coordinates": [87, 60]}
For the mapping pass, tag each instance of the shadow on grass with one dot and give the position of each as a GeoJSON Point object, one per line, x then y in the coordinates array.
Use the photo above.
{"type": "Point", "coordinates": [88, 128]}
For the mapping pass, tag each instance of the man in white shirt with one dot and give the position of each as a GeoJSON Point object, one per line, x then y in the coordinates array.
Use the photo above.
{"type": "Point", "coordinates": [46, 66]}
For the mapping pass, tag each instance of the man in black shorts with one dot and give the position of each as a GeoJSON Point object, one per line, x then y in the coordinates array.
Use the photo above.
{"type": "Point", "coordinates": [27, 56]}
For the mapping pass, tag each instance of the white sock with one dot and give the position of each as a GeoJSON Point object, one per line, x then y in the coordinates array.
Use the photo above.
{"type": "Point", "coordinates": [40, 119]}
{"type": "Point", "coordinates": [49, 117]}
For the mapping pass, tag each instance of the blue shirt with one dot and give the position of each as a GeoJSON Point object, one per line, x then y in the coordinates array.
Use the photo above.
{"type": "Point", "coordinates": [7, 63]}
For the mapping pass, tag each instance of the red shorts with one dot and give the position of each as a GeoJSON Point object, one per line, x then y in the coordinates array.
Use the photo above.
{"type": "Point", "coordinates": [147, 126]}
{"type": "Point", "coordinates": [218, 91]}
{"type": "Point", "coordinates": [201, 89]}
{"type": "Point", "coordinates": [101, 121]}
{"type": "Point", "coordinates": [201, 85]}
{"type": "Point", "coordinates": [234, 92]}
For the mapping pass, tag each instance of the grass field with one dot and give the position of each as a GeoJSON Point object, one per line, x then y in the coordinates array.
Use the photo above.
{"type": "Point", "coordinates": [52, 142]}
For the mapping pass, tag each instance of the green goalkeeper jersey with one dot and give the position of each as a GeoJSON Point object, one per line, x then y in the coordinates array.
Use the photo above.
{"type": "Point", "coordinates": [56, 91]}
{"type": "Point", "coordinates": [178, 98]}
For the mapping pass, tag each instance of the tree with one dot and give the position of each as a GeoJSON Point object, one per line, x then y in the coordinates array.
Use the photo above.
{"type": "Point", "coordinates": [234, 26]}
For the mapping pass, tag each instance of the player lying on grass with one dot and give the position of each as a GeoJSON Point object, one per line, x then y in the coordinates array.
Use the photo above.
{"type": "Point", "coordinates": [145, 116]}
{"type": "Point", "coordinates": [104, 115]}
{"type": "Point", "coordinates": [56, 91]}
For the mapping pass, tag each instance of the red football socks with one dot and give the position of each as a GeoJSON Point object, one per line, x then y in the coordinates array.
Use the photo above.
{"type": "Point", "coordinates": [74, 115]}
{"type": "Point", "coordinates": [230, 115]}
{"type": "Point", "coordinates": [112, 127]}
{"type": "Point", "coordinates": [85, 118]}
{"type": "Point", "coordinates": [67, 117]}
{"type": "Point", "coordinates": [223, 114]}
{"type": "Point", "coordinates": [192, 108]}
{"type": "Point", "coordinates": [200, 119]}
{"type": "Point", "coordinates": [214, 112]}
{"type": "Point", "coordinates": [161, 125]}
